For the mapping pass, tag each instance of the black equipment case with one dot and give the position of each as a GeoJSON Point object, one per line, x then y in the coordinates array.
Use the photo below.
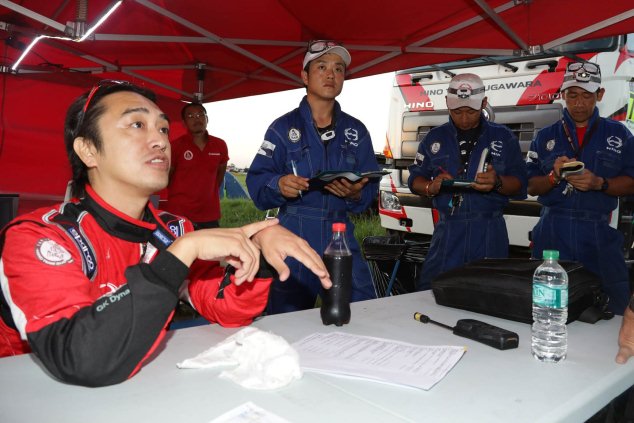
{"type": "Point", "coordinates": [503, 288]}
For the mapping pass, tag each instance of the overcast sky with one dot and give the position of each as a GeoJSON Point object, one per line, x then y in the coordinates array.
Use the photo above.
{"type": "Point", "coordinates": [243, 122]}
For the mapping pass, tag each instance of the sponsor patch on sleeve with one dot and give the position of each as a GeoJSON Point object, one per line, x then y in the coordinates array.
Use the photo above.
{"type": "Point", "coordinates": [266, 149]}
{"type": "Point", "coordinates": [531, 156]}
{"type": "Point", "coordinates": [50, 252]}
{"type": "Point", "coordinates": [418, 160]}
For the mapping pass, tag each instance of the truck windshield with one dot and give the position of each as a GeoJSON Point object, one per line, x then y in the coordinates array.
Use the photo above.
{"type": "Point", "coordinates": [569, 49]}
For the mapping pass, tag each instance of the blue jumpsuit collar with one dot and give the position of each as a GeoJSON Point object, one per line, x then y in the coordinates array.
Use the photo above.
{"type": "Point", "coordinates": [571, 123]}
{"type": "Point", "coordinates": [307, 114]}
{"type": "Point", "coordinates": [483, 125]}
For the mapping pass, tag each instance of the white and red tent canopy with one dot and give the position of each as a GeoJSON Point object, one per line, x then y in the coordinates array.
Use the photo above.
{"type": "Point", "coordinates": [216, 50]}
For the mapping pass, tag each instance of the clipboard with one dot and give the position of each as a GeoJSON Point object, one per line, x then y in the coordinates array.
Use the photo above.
{"type": "Point", "coordinates": [572, 168]}
{"type": "Point", "coordinates": [462, 183]}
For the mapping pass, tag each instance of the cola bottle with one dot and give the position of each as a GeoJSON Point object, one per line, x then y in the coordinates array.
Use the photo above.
{"type": "Point", "coordinates": [335, 302]}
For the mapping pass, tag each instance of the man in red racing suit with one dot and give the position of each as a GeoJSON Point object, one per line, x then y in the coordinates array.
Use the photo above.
{"type": "Point", "coordinates": [90, 285]}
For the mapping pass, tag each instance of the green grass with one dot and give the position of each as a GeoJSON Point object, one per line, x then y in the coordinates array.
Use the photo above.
{"type": "Point", "coordinates": [239, 212]}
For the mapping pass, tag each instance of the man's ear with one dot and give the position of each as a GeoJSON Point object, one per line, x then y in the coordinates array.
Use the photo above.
{"type": "Point", "coordinates": [305, 77]}
{"type": "Point", "coordinates": [484, 103]}
{"type": "Point", "coordinates": [86, 151]}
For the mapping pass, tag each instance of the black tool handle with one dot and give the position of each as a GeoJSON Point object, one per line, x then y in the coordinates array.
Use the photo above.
{"type": "Point", "coordinates": [485, 333]}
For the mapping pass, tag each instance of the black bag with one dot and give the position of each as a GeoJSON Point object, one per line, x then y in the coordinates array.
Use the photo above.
{"type": "Point", "coordinates": [504, 288]}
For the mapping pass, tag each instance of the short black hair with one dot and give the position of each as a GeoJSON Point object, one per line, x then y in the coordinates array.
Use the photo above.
{"type": "Point", "coordinates": [84, 124]}
{"type": "Point", "coordinates": [188, 105]}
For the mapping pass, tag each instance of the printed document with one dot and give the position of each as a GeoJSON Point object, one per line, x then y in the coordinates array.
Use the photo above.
{"type": "Point", "coordinates": [383, 360]}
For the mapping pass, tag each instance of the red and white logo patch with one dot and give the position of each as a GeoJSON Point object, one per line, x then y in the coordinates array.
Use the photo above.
{"type": "Point", "coordinates": [50, 252]}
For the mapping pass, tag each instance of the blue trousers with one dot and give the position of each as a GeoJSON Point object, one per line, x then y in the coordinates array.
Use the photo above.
{"type": "Point", "coordinates": [463, 238]}
{"type": "Point", "coordinates": [588, 238]}
{"type": "Point", "coordinates": [300, 290]}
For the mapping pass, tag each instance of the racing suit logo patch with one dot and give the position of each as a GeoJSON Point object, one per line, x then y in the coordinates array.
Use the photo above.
{"type": "Point", "coordinates": [615, 143]}
{"type": "Point", "coordinates": [266, 149]}
{"type": "Point", "coordinates": [496, 146]}
{"type": "Point", "coordinates": [50, 252]}
{"type": "Point", "coordinates": [419, 159]}
{"type": "Point", "coordinates": [188, 155]}
{"type": "Point", "coordinates": [294, 135]}
{"type": "Point", "coordinates": [435, 147]}
{"type": "Point", "coordinates": [351, 134]}
{"type": "Point", "coordinates": [550, 145]}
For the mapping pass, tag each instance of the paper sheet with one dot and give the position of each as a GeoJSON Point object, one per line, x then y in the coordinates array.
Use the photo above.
{"type": "Point", "coordinates": [378, 359]}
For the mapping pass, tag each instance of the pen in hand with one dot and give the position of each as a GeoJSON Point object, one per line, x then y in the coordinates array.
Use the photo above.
{"type": "Point", "coordinates": [295, 173]}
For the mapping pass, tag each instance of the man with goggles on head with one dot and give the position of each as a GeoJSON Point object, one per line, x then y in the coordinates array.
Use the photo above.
{"type": "Point", "coordinates": [577, 207]}
{"type": "Point", "coordinates": [89, 286]}
{"type": "Point", "coordinates": [315, 137]}
{"type": "Point", "coordinates": [483, 155]}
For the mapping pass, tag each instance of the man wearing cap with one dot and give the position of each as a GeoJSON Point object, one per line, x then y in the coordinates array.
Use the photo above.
{"type": "Point", "coordinates": [483, 156]}
{"type": "Point", "coordinates": [315, 137]}
{"type": "Point", "coordinates": [576, 209]}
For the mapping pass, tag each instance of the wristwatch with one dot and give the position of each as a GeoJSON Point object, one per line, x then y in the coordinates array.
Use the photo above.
{"type": "Point", "coordinates": [605, 185]}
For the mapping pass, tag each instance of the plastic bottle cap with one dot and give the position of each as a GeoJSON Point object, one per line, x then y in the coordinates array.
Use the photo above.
{"type": "Point", "coordinates": [550, 255]}
{"type": "Point", "coordinates": [338, 227]}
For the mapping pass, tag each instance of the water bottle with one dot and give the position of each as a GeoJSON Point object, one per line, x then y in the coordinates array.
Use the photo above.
{"type": "Point", "coordinates": [335, 302]}
{"type": "Point", "coordinates": [550, 310]}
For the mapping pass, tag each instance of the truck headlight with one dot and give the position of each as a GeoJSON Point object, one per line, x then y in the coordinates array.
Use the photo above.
{"type": "Point", "coordinates": [389, 201]}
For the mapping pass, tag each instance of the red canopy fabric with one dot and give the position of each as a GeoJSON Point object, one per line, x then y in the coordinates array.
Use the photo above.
{"type": "Point", "coordinates": [216, 50]}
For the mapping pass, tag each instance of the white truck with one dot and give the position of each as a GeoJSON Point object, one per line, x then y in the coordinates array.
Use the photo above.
{"type": "Point", "coordinates": [523, 94]}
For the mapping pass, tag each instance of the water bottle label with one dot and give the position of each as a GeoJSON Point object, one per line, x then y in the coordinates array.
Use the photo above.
{"type": "Point", "coordinates": [550, 296]}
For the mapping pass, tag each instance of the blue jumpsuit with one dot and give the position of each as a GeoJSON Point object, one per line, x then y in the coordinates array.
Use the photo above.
{"type": "Point", "coordinates": [476, 229]}
{"type": "Point", "coordinates": [577, 224]}
{"type": "Point", "coordinates": [294, 138]}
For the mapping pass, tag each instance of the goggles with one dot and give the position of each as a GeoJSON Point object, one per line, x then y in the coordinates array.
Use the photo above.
{"type": "Point", "coordinates": [464, 93]}
{"type": "Point", "coordinates": [585, 72]}
{"type": "Point", "coordinates": [588, 67]}
{"type": "Point", "coordinates": [101, 87]}
{"type": "Point", "coordinates": [317, 46]}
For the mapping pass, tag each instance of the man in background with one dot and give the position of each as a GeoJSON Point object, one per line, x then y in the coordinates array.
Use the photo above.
{"type": "Point", "coordinates": [576, 209]}
{"type": "Point", "coordinates": [314, 137]}
{"type": "Point", "coordinates": [199, 162]}
{"type": "Point", "coordinates": [471, 224]}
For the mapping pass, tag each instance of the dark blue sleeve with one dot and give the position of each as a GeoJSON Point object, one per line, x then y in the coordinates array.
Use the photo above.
{"type": "Point", "coordinates": [515, 164]}
{"type": "Point", "coordinates": [534, 156]}
{"type": "Point", "coordinates": [421, 165]}
{"type": "Point", "coordinates": [366, 163]}
{"type": "Point", "coordinates": [266, 170]}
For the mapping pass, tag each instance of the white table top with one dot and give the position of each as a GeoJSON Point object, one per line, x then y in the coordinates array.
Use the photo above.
{"type": "Point", "coordinates": [487, 385]}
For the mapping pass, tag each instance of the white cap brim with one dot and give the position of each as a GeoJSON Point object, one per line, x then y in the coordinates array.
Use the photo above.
{"type": "Point", "coordinates": [474, 101]}
{"type": "Point", "coordinates": [338, 50]}
{"type": "Point", "coordinates": [591, 87]}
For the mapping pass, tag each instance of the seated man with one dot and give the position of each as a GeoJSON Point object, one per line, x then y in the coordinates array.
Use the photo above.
{"type": "Point", "coordinates": [89, 286]}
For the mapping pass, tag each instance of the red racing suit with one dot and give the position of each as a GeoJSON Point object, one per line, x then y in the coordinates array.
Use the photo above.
{"type": "Point", "coordinates": [90, 291]}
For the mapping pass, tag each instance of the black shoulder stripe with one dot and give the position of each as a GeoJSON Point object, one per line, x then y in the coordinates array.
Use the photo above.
{"type": "Point", "coordinates": [70, 223]}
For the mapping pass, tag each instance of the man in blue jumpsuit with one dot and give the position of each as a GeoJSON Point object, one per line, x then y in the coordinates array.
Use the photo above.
{"type": "Point", "coordinates": [315, 137]}
{"type": "Point", "coordinates": [471, 225]}
{"type": "Point", "coordinates": [576, 209]}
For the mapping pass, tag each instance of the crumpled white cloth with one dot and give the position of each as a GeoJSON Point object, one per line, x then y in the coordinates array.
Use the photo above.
{"type": "Point", "coordinates": [264, 360]}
